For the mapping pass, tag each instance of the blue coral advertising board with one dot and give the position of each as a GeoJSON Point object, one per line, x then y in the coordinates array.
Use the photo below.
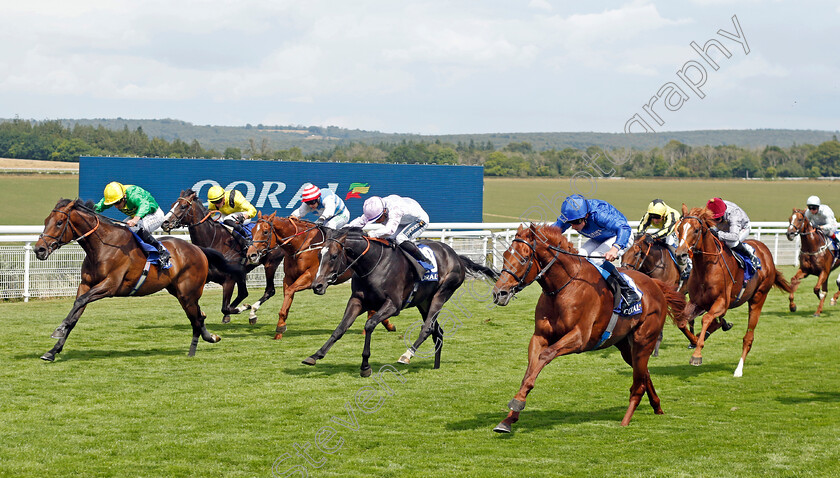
{"type": "Point", "coordinates": [447, 193]}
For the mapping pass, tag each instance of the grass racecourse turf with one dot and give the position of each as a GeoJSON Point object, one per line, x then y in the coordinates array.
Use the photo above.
{"type": "Point", "coordinates": [124, 400]}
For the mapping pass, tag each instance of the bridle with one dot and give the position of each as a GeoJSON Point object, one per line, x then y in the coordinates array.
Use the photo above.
{"type": "Point", "coordinates": [282, 241]}
{"type": "Point", "coordinates": [77, 236]}
{"type": "Point", "coordinates": [333, 278]}
{"type": "Point", "coordinates": [533, 259]}
{"type": "Point", "coordinates": [185, 207]}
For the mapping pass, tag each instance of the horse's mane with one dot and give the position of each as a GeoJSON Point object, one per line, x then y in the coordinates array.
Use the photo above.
{"type": "Point", "coordinates": [87, 206]}
{"type": "Point", "coordinates": [555, 236]}
{"type": "Point", "coordinates": [703, 214]}
{"type": "Point", "coordinates": [349, 232]}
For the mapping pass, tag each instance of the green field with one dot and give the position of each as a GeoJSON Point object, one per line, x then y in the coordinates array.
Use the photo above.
{"type": "Point", "coordinates": [124, 400]}
{"type": "Point", "coordinates": [505, 200]}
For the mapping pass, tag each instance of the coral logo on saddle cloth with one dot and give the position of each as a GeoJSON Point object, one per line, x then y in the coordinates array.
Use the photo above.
{"type": "Point", "coordinates": [431, 275]}
{"type": "Point", "coordinates": [357, 189]}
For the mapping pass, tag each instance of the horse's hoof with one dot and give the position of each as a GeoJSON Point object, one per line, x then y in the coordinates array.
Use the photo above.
{"type": "Point", "coordinates": [252, 320]}
{"type": "Point", "coordinates": [226, 319]}
{"type": "Point", "coordinates": [502, 427]}
{"type": "Point", "coordinates": [692, 346]}
{"type": "Point", "coordinates": [655, 353]}
{"type": "Point", "coordinates": [278, 336]}
{"type": "Point", "coordinates": [516, 405]}
{"type": "Point", "coordinates": [58, 334]}
{"type": "Point", "coordinates": [725, 326]}
{"type": "Point", "coordinates": [816, 314]}
{"type": "Point", "coordinates": [404, 359]}
{"type": "Point", "coordinates": [832, 302]}
{"type": "Point", "coordinates": [793, 307]}
{"type": "Point", "coordinates": [48, 357]}
{"type": "Point", "coordinates": [281, 329]}
{"type": "Point", "coordinates": [365, 372]}
{"type": "Point", "coordinates": [696, 361]}
{"type": "Point", "coordinates": [309, 361]}
{"type": "Point", "coordinates": [215, 338]}
{"type": "Point", "coordinates": [390, 327]}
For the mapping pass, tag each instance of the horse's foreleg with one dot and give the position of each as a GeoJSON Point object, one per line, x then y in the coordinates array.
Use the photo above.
{"type": "Point", "coordinates": [756, 304]}
{"type": "Point", "coordinates": [353, 309]}
{"type": "Point", "coordinates": [188, 297]}
{"type": "Point", "coordinates": [241, 294]}
{"type": "Point", "coordinates": [270, 272]}
{"type": "Point", "coordinates": [85, 294]}
{"type": "Point", "coordinates": [536, 362]}
{"type": "Point", "coordinates": [227, 292]}
{"type": "Point", "coordinates": [290, 286]}
{"type": "Point", "coordinates": [716, 310]}
{"type": "Point", "coordinates": [821, 290]}
{"type": "Point", "coordinates": [387, 310]}
{"type": "Point", "coordinates": [794, 284]}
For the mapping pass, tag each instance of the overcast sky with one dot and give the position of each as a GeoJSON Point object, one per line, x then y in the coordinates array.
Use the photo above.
{"type": "Point", "coordinates": [422, 66]}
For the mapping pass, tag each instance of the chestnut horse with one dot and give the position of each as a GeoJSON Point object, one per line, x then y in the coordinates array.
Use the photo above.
{"type": "Point", "coordinates": [188, 211]}
{"type": "Point", "coordinates": [574, 313]}
{"type": "Point", "coordinates": [815, 258]}
{"type": "Point", "coordinates": [301, 242]}
{"type": "Point", "coordinates": [114, 267]}
{"type": "Point", "coordinates": [716, 282]}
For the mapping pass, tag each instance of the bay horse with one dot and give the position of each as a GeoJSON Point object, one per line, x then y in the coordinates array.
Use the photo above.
{"type": "Point", "coordinates": [188, 211]}
{"type": "Point", "coordinates": [716, 282]}
{"type": "Point", "coordinates": [300, 241]}
{"type": "Point", "coordinates": [384, 281]}
{"type": "Point", "coordinates": [114, 267]}
{"type": "Point", "coordinates": [815, 258]}
{"type": "Point", "coordinates": [575, 312]}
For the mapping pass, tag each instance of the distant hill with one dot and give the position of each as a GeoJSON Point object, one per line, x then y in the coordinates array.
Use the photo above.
{"type": "Point", "coordinates": [315, 138]}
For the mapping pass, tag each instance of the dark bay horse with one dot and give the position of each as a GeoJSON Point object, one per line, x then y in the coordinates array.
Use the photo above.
{"type": "Point", "coordinates": [300, 241]}
{"type": "Point", "coordinates": [575, 310]}
{"type": "Point", "coordinates": [815, 258]}
{"type": "Point", "coordinates": [188, 211]}
{"type": "Point", "coordinates": [716, 282]}
{"type": "Point", "coordinates": [114, 264]}
{"type": "Point", "coordinates": [384, 281]}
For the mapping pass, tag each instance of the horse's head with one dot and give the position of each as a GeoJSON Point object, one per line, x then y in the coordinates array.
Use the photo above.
{"type": "Point", "coordinates": [637, 254]}
{"type": "Point", "coordinates": [691, 230]}
{"type": "Point", "coordinates": [333, 257]}
{"type": "Point", "coordinates": [263, 237]}
{"type": "Point", "coordinates": [798, 224]}
{"type": "Point", "coordinates": [521, 263]}
{"type": "Point", "coordinates": [184, 211]}
{"type": "Point", "coordinates": [59, 228]}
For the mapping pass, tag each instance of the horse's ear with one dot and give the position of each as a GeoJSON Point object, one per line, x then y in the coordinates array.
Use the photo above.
{"type": "Point", "coordinates": [259, 214]}
{"type": "Point", "coordinates": [271, 217]}
{"type": "Point", "coordinates": [684, 210]}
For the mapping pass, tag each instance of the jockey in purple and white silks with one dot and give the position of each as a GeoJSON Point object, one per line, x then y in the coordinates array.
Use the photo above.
{"type": "Point", "coordinates": [326, 204]}
{"type": "Point", "coordinates": [733, 227]}
{"type": "Point", "coordinates": [608, 232]}
{"type": "Point", "coordinates": [821, 217]}
{"type": "Point", "coordinates": [403, 220]}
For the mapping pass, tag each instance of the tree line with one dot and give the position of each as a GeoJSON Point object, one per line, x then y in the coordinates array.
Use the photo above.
{"type": "Point", "coordinates": [51, 140]}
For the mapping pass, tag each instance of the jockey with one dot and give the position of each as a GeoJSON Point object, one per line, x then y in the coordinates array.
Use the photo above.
{"type": "Point", "coordinates": [660, 222]}
{"type": "Point", "coordinates": [608, 233]}
{"type": "Point", "coordinates": [143, 211]}
{"type": "Point", "coordinates": [403, 218]}
{"type": "Point", "coordinates": [236, 211]}
{"type": "Point", "coordinates": [733, 227]}
{"type": "Point", "coordinates": [821, 217]}
{"type": "Point", "coordinates": [326, 204]}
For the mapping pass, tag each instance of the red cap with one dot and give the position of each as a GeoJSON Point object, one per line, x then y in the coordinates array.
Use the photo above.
{"type": "Point", "coordinates": [717, 207]}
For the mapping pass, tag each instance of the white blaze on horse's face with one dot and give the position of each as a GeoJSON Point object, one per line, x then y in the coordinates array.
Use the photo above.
{"type": "Point", "coordinates": [321, 255]}
{"type": "Point", "coordinates": [685, 230]}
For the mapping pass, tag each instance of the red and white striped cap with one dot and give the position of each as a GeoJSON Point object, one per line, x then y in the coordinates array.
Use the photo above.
{"type": "Point", "coordinates": [310, 192]}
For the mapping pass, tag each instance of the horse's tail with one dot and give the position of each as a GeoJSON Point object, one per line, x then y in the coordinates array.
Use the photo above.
{"type": "Point", "coordinates": [478, 270]}
{"type": "Point", "coordinates": [676, 303]}
{"type": "Point", "coordinates": [216, 260]}
{"type": "Point", "coordinates": [782, 283]}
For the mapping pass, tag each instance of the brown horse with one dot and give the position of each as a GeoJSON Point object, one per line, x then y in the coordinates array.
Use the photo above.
{"type": "Point", "coordinates": [651, 257]}
{"type": "Point", "coordinates": [301, 241]}
{"type": "Point", "coordinates": [574, 314]}
{"type": "Point", "coordinates": [716, 282]}
{"type": "Point", "coordinates": [114, 267]}
{"type": "Point", "coordinates": [188, 211]}
{"type": "Point", "coordinates": [815, 258]}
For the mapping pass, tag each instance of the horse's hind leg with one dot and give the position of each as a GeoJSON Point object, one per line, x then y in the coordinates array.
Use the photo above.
{"type": "Point", "coordinates": [430, 325]}
{"type": "Point", "coordinates": [270, 271]}
{"type": "Point", "coordinates": [189, 302]}
{"type": "Point", "coordinates": [821, 290]}
{"type": "Point", "coordinates": [227, 292]}
{"type": "Point", "coordinates": [794, 284]}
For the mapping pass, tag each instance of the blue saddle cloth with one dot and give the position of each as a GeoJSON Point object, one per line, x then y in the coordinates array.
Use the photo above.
{"type": "Point", "coordinates": [248, 227]}
{"type": "Point", "coordinates": [152, 254]}
{"type": "Point", "coordinates": [431, 274]}
{"type": "Point", "coordinates": [749, 268]}
{"type": "Point", "coordinates": [625, 309]}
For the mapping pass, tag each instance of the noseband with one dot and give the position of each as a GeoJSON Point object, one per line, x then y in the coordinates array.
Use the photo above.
{"type": "Point", "coordinates": [532, 258]}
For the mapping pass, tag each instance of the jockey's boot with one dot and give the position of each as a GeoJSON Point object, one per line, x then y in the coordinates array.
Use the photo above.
{"type": "Point", "coordinates": [414, 252]}
{"type": "Point", "coordinates": [240, 235]}
{"type": "Point", "coordinates": [150, 239]}
{"type": "Point", "coordinates": [749, 252]}
{"type": "Point", "coordinates": [628, 295]}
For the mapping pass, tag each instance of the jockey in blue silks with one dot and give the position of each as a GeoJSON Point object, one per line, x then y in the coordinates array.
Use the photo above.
{"type": "Point", "coordinates": [608, 232]}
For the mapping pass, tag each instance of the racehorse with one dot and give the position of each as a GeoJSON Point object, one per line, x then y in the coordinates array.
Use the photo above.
{"type": "Point", "coordinates": [815, 258]}
{"type": "Point", "coordinates": [189, 211]}
{"type": "Point", "coordinates": [575, 312]}
{"type": "Point", "coordinates": [300, 241]}
{"type": "Point", "coordinates": [384, 281]}
{"type": "Point", "coordinates": [716, 282]}
{"type": "Point", "coordinates": [114, 267]}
